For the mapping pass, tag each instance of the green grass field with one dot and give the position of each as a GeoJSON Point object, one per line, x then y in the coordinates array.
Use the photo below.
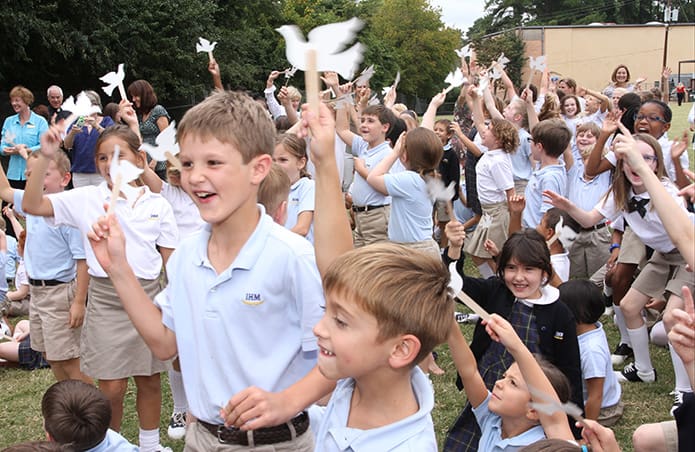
{"type": "Point", "coordinates": [20, 416]}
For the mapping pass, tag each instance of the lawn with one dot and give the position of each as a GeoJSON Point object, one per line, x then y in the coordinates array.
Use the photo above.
{"type": "Point", "coordinates": [20, 416]}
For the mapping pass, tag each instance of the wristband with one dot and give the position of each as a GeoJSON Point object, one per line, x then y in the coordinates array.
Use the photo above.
{"type": "Point", "coordinates": [614, 246]}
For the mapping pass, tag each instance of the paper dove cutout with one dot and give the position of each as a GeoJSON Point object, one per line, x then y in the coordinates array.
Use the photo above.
{"type": "Point", "coordinates": [113, 80]}
{"type": "Point", "coordinates": [454, 79]}
{"type": "Point", "coordinates": [166, 146]}
{"type": "Point", "coordinates": [365, 76]}
{"type": "Point", "coordinates": [483, 83]}
{"type": "Point", "coordinates": [204, 45]}
{"type": "Point", "coordinates": [122, 172]}
{"type": "Point", "coordinates": [550, 406]}
{"type": "Point", "coordinates": [289, 73]}
{"type": "Point", "coordinates": [537, 63]}
{"type": "Point", "coordinates": [502, 61]}
{"type": "Point", "coordinates": [387, 89]}
{"type": "Point", "coordinates": [373, 100]}
{"type": "Point", "coordinates": [344, 100]}
{"type": "Point", "coordinates": [9, 137]}
{"type": "Point", "coordinates": [329, 42]}
{"type": "Point", "coordinates": [82, 107]}
{"type": "Point", "coordinates": [465, 51]}
{"type": "Point", "coordinates": [496, 73]}
{"type": "Point", "coordinates": [438, 191]}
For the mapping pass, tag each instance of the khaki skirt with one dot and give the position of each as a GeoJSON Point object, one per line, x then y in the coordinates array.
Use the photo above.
{"type": "Point", "coordinates": [111, 347]}
{"type": "Point", "coordinates": [493, 225]}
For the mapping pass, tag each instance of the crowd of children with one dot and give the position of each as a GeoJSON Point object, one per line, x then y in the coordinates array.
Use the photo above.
{"type": "Point", "coordinates": [292, 320]}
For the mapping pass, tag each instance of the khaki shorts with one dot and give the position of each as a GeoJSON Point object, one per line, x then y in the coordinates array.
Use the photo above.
{"type": "Point", "coordinates": [49, 320]}
{"type": "Point", "coordinates": [589, 252]}
{"type": "Point", "coordinates": [198, 439]}
{"type": "Point", "coordinates": [609, 415]}
{"type": "Point", "coordinates": [428, 246]}
{"type": "Point", "coordinates": [664, 273]}
{"type": "Point", "coordinates": [632, 249]}
{"type": "Point", "coordinates": [371, 226]}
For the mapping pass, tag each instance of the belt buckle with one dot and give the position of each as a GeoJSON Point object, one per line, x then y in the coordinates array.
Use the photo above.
{"type": "Point", "coordinates": [220, 431]}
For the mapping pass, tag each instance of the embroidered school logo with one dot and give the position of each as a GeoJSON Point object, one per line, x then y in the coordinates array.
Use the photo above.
{"type": "Point", "coordinates": [154, 216]}
{"type": "Point", "coordinates": [559, 335]}
{"type": "Point", "coordinates": [252, 299]}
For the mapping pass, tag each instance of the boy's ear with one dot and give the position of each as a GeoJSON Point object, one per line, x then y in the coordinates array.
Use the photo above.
{"type": "Point", "coordinates": [260, 167]}
{"type": "Point", "coordinates": [280, 216]}
{"type": "Point", "coordinates": [532, 414]}
{"type": "Point", "coordinates": [66, 179]}
{"type": "Point", "coordinates": [405, 350]}
{"type": "Point", "coordinates": [385, 128]}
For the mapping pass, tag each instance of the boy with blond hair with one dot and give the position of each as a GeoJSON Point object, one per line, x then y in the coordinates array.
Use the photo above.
{"type": "Point", "coordinates": [374, 330]}
{"type": "Point", "coordinates": [55, 262]}
{"type": "Point", "coordinates": [274, 192]}
{"type": "Point", "coordinates": [243, 294]}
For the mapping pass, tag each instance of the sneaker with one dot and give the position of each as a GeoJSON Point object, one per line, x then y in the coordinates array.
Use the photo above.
{"type": "Point", "coordinates": [161, 448]}
{"type": "Point", "coordinates": [677, 400]}
{"type": "Point", "coordinates": [177, 426]}
{"type": "Point", "coordinates": [466, 318]}
{"type": "Point", "coordinates": [621, 353]}
{"type": "Point", "coordinates": [630, 373]}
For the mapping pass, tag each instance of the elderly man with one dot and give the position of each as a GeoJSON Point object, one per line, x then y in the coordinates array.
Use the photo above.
{"type": "Point", "coordinates": [54, 94]}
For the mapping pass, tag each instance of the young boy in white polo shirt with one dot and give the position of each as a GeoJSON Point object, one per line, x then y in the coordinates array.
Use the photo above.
{"type": "Point", "coordinates": [375, 330]}
{"type": "Point", "coordinates": [55, 263]}
{"type": "Point", "coordinates": [372, 209]}
{"type": "Point", "coordinates": [243, 294]}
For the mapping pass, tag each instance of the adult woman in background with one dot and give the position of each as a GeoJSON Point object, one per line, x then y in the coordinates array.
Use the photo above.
{"type": "Point", "coordinates": [82, 141]}
{"type": "Point", "coordinates": [620, 78]}
{"type": "Point", "coordinates": [152, 117]}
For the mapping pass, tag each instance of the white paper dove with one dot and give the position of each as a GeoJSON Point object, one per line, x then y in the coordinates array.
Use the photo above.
{"type": "Point", "coordinates": [166, 146]}
{"type": "Point", "coordinates": [328, 41]}
{"type": "Point", "coordinates": [454, 79]}
{"type": "Point", "coordinates": [438, 191]}
{"type": "Point", "coordinates": [289, 73]}
{"type": "Point", "coordinates": [373, 100]}
{"type": "Point", "coordinates": [113, 80]}
{"type": "Point", "coordinates": [464, 52]}
{"type": "Point", "coordinates": [496, 73]}
{"type": "Point", "coordinates": [82, 107]}
{"type": "Point", "coordinates": [550, 406]}
{"type": "Point", "coordinates": [122, 172]}
{"type": "Point", "coordinates": [9, 137]}
{"type": "Point", "coordinates": [365, 76]}
{"type": "Point", "coordinates": [387, 89]}
{"type": "Point", "coordinates": [344, 100]}
{"type": "Point", "coordinates": [502, 61]}
{"type": "Point", "coordinates": [203, 45]}
{"type": "Point", "coordinates": [537, 63]}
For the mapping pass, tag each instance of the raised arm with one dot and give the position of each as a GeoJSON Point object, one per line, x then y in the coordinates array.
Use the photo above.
{"type": "Point", "coordinates": [332, 234]}
{"type": "Point", "coordinates": [34, 202]}
{"type": "Point", "coordinates": [150, 178]}
{"type": "Point", "coordinates": [214, 70]}
{"type": "Point", "coordinates": [376, 177]}
{"type": "Point", "coordinates": [554, 425]}
{"type": "Point", "coordinates": [342, 125]}
{"type": "Point", "coordinates": [585, 218]}
{"type": "Point", "coordinates": [597, 163]}
{"type": "Point", "coordinates": [466, 366]}
{"type": "Point", "coordinates": [605, 101]}
{"type": "Point", "coordinates": [430, 115]}
{"type": "Point", "coordinates": [490, 104]}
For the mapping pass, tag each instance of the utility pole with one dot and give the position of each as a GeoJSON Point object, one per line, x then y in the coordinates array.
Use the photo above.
{"type": "Point", "coordinates": [664, 79]}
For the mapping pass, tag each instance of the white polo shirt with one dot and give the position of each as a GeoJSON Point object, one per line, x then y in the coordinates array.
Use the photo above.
{"type": "Point", "coordinates": [301, 199]}
{"type": "Point", "coordinates": [362, 193]}
{"type": "Point", "coordinates": [249, 325]}
{"type": "Point", "coordinates": [146, 223]}
{"type": "Point", "coordinates": [187, 215]}
{"type": "Point", "coordinates": [649, 229]}
{"type": "Point", "coordinates": [414, 433]}
{"type": "Point", "coordinates": [494, 176]}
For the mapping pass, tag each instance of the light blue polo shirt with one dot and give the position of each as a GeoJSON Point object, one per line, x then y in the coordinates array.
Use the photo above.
{"type": "Point", "coordinates": [12, 257]}
{"type": "Point", "coordinates": [411, 207]}
{"type": "Point", "coordinates": [114, 442]}
{"type": "Point", "coordinates": [28, 133]}
{"type": "Point", "coordinates": [414, 433]}
{"type": "Point", "coordinates": [362, 193]}
{"type": "Point", "coordinates": [301, 199]}
{"type": "Point", "coordinates": [586, 193]}
{"type": "Point", "coordinates": [551, 177]}
{"type": "Point", "coordinates": [50, 251]}
{"type": "Point", "coordinates": [521, 159]}
{"type": "Point", "coordinates": [491, 427]}
{"type": "Point", "coordinates": [251, 325]}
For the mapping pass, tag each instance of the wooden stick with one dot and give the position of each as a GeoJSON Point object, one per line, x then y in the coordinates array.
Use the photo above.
{"type": "Point", "coordinates": [115, 191]}
{"type": "Point", "coordinates": [171, 158]}
{"type": "Point", "coordinates": [530, 77]}
{"type": "Point", "coordinates": [475, 307]}
{"type": "Point", "coordinates": [121, 90]}
{"type": "Point", "coordinates": [311, 82]}
{"type": "Point", "coordinates": [210, 56]}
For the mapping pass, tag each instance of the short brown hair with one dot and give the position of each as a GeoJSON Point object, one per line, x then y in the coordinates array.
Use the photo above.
{"type": "Point", "coordinates": [274, 189]}
{"type": "Point", "coordinates": [590, 127]}
{"type": "Point", "coordinates": [553, 134]}
{"type": "Point", "coordinates": [615, 72]}
{"type": "Point", "coordinates": [506, 134]}
{"type": "Point", "coordinates": [233, 118]}
{"type": "Point", "coordinates": [406, 291]}
{"type": "Point", "coordinates": [60, 158]}
{"type": "Point", "coordinates": [76, 413]}
{"type": "Point", "coordinates": [23, 93]}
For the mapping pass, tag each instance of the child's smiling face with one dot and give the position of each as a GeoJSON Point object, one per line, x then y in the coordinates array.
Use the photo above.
{"type": "Point", "coordinates": [650, 119]}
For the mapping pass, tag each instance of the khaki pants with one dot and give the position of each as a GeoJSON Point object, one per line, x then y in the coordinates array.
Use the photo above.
{"type": "Point", "coordinates": [371, 226]}
{"type": "Point", "coordinates": [198, 439]}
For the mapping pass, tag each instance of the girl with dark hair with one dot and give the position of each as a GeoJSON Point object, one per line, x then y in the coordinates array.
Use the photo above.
{"type": "Point", "coordinates": [152, 117]}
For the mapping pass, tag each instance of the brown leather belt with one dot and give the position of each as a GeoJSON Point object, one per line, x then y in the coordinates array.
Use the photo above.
{"type": "Point", "coordinates": [269, 435]}
{"type": "Point", "coordinates": [595, 227]}
{"type": "Point", "coordinates": [367, 208]}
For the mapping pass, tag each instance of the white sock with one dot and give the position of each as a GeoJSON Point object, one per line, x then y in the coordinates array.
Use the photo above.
{"type": "Point", "coordinates": [149, 440]}
{"type": "Point", "coordinates": [485, 270]}
{"type": "Point", "coordinates": [640, 346]}
{"type": "Point", "coordinates": [622, 327]}
{"type": "Point", "coordinates": [682, 380]}
{"type": "Point", "coordinates": [177, 391]}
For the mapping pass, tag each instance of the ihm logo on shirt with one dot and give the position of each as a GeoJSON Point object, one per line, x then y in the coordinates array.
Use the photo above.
{"type": "Point", "coordinates": [252, 299]}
